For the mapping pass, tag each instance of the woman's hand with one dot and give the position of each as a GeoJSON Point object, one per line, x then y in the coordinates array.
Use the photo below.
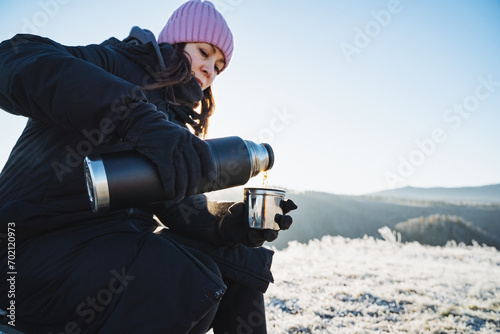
{"type": "Point", "coordinates": [181, 157]}
{"type": "Point", "coordinates": [235, 230]}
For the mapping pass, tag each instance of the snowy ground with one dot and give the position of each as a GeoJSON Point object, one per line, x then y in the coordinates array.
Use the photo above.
{"type": "Point", "coordinates": [341, 285]}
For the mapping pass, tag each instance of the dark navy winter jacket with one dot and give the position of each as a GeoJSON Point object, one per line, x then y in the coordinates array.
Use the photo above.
{"type": "Point", "coordinates": [75, 100]}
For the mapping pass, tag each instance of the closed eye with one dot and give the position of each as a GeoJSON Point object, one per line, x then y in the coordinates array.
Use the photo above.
{"type": "Point", "coordinates": [203, 53]}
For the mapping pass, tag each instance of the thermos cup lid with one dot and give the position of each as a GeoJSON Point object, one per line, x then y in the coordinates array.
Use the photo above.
{"type": "Point", "coordinates": [263, 205]}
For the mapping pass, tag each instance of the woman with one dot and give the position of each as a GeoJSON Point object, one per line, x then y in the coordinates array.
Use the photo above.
{"type": "Point", "coordinates": [79, 272]}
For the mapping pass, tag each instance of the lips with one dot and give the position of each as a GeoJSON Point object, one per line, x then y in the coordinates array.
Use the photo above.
{"type": "Point", "coordinates": [200, 82]}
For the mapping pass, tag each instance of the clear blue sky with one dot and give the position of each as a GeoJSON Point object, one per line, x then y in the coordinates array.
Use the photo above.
{"type": "Point", "coordinates": [354, 96]}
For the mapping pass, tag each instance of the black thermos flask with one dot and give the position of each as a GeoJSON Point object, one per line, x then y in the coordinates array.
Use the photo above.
{"type": "Point", "coordinates": [128, 179]}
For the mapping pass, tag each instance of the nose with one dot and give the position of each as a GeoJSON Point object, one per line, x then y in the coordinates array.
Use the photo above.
{"type": "Point", "coordinates": [208, 70]}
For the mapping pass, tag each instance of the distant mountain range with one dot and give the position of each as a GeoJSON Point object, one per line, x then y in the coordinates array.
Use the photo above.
{"type": "Point", "coordinates": [483, 194]}
{"type": "Point", "coordinates": [322, 213]}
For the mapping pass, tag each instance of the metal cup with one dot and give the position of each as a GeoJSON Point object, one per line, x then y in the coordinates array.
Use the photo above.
{"type": "Point", "coordinates": [263, 204]}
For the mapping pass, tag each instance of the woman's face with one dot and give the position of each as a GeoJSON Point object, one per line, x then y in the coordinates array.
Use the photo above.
{"type": "Point", "coordinates": [206, 62]}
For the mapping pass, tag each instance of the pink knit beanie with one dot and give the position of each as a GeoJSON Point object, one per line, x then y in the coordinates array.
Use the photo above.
{"type": "Point", "coordinates": [198, 22]}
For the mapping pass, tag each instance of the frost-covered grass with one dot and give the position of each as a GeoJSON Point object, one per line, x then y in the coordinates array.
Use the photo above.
{"type": "Point", "coordinates": [342, 285]}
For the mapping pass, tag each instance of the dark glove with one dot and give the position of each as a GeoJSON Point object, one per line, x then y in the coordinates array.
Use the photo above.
{"type": "Point", "coordinates": [284, 221]}
{"type": "Point", "coordinates": [234, 228]}
{"type": "Point", "coordinates": [181, 157]}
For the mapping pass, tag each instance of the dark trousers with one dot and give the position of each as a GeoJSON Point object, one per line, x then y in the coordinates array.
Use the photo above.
{"type": "Point", "coordinates": [241, 310]}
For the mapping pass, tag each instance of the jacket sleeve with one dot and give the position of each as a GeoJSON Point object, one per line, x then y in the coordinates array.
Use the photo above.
{"type": "Point", "coordinates": [195, 217]}
{"type": "Point", "coordinates": [42, 80]}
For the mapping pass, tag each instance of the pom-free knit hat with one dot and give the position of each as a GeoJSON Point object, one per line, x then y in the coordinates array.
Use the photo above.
{"type": "Point", "coordinates": [199, 22]}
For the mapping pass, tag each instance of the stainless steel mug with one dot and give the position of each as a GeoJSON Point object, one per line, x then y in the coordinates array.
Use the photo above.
{"type": "Point", "coordinates": [128, 179]}
{"type": "Point", "coordinates": [263, 204]}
